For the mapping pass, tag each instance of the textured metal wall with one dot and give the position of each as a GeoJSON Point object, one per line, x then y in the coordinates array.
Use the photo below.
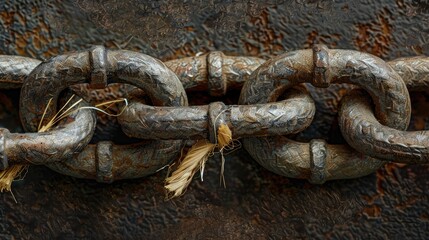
{"type": "Point", "coordinates": [392, 203]}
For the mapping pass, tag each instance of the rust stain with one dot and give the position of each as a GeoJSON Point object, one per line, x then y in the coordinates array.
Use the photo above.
{"type": "Point", "coordinates": [407, 203]}
{"type": "Point", "coordinates": [284, 195]}
{"type": "Point", "coordinates": [7, 17]}
{"type": "Point", "coordinates": [373, 211]}
{"type": "Point", "coordinates": [185, 51]}
{"type": "Point", "coordinates": [391, 171]}
{"type": "Point", "coordinates": [37, 37]}
{"type": "Point", "coordinates": [315, 38]}
{"type": "Point", "coordinates": [379, 184]}
{"type": "Point", "coordinates": [264, 38]}
{"type": "Point", "coordinates": [425, 217]}
{"type": "Point", "coordinates": [387, 172]}
{"type": "Point", "coordinates": [375, 37]}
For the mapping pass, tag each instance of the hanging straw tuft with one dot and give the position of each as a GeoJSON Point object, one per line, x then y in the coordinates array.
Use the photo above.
{"type": "Point", "coordinates": [195, 159]}
{"type": "Point", "coordinates": [8, 175]}
{"type": "Point", "coordinates": [224, 137]}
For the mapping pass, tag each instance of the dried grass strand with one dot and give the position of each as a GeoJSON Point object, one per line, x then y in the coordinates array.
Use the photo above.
{"type": "Point", "coordinates": [10, 174]}
{"type": "Point", "coordinates": [61, 114]}
{"type": "Point", "coordinates": [224, 136]}
{"type": "Point", "coordinates": [196, 159]}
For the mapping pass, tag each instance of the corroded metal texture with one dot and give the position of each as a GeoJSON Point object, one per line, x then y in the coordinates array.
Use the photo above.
{"type": "Point", "coordinates": [167, 123]}
{"type": "Point", "coordinates": [100, 67]}
{"type": "Point", "coordinates": [292, 159]}
{"type": "Point", "coordinates": [48, 79]}
{"type": "Point", "coordinates": [56, 145]}
{"type": "Point", "coordinates": [14, 69]}
{"type": "Point", "coordinates": [414, 71]}
{"type": "Point", "coordinates": [391, 203]}
{"type": "Point", "coordinates": [214, 72]}
{"type": "Point", "coordinates": [107, 162]}
{"type": "Point", "coordinates": [371, 73]}
{"type": "Point", "coordinates": [272, 119]}
{"type": "Point", "coordinates": [363, 132]}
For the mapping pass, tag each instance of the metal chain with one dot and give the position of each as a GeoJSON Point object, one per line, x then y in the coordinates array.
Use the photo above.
{"type": "Point", "coordinates": [260, 122]}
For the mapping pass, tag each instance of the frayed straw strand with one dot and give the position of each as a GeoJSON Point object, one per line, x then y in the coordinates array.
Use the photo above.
{"type": "Point", "coordinates": [8, 175]}
{"type": "Point", "coordinates": [196, 159]}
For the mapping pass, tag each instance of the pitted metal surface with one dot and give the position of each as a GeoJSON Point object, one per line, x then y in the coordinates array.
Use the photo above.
{"type": "Point", "coordinates": [371, 73]}
{"type": "Point", "coordinates": [14, 69]}
{"type": "Point", "coordinates": [56, 145]}
{"type": "Point", "coordinates": [293, 159]}
{"type": "Point", "coordinates": [49, 78]}
{"type": "Point", "coordinates": [272, 119]}
{"type": "Point", "coordinates": [214, 72]}
{"type": "Point", "coordinates": [362, 131]}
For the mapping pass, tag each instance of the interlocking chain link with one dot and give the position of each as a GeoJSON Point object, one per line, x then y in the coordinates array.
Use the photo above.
{"type": "Point", "coordinates": [99, 67]}
{"type": "Point", "coordinates": [260, 122]}
{"type": "Point", "coordinates": [319, 161]}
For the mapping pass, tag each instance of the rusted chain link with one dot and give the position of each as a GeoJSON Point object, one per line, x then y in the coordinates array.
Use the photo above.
{"type": "Point", "coordinates": [363, 132]}
{"type": "Point", "coordinates": [14, 69]}
{"type": "Point", "coordinates": [100, 67]}
{"type": "Point", "coordinates": [319, 161]}
{"type": "Point", "coordinates": [197, 122]}
{"type": "Point", "coordinates": [144, 158]}
{"type": "Point", "coordinates": [216, 73]}
{"type": "Point", "coordinates": [59, 144]}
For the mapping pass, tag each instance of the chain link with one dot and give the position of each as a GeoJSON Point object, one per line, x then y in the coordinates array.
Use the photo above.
{"type": "Point", "coordinates": [260, 122]}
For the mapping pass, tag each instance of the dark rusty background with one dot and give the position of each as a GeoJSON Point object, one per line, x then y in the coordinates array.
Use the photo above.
{"type": "Point", "coordinates": [391, 203]}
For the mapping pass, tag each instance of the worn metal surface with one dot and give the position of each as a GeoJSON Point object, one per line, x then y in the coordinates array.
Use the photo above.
{"type": "Point", "coordinates": [386, 87]}
{"type": "Point", "coordinates": [99, 67]}
{"type": "Point", "coordinates": [14, 69]}
{"type": "Point", "coordinates": [58, 144]}
{"type": "Point", "coordinates": [391, 203]}
{"type": "Point", "coordinates": [272, 119]}
{"type": "Point", "coordinates": [321, 67]}
{"type": "Point", "coordinates": [51, 77]}
{"type": "Point", "coordinates": [414, 71]}
{"type": "Point", "coordinates": [364, 133]}
{"type": "Point", "coordinates": [214, 72]}
{"type": "Point", "coordinates": [107, 162]}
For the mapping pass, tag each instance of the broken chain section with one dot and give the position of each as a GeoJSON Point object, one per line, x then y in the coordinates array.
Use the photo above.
{"type": "Point", "coordinates": [261, 122]}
